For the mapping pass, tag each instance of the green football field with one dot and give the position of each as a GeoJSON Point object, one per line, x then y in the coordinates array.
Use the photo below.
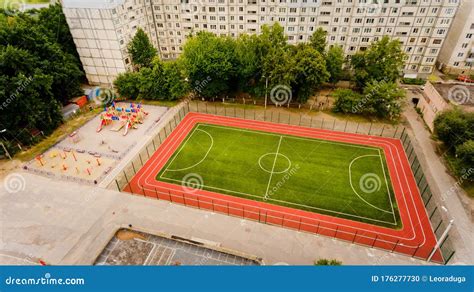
{"type": "Point", "coordinates": [337, 179]}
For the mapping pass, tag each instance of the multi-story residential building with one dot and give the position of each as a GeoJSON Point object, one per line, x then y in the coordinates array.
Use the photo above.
{"type": "Point", "coordinates": [102, 28]}
{"type": "Point", "coordinates": [457, 54]}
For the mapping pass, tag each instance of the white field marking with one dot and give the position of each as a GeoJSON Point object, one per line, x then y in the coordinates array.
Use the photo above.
{"type": "Point", "coordinates": [182, 146]}
{"type": "Point", "coordinates": [354, 139]}
{"type": "Point", "coordinates": [334, 135]}
{"type": "Point", "coordinates": [284, 202]}
{"type": "Point", "coordinates": [273, 167]}
{"type": "Point", "coordinates": [352, 186]}
{"type": "Point", "coordinates": [200, 161]}
{"type": "Point", "coordinates": [148, 176]}
{"type": "Point", "coordinates": [290, 136]}
{"type": "Point", "coordinates": [388, 189]}
{"type": "Point", "coordinates": [277, 172]}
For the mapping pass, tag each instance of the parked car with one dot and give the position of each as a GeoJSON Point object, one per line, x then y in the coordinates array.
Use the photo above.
{"type": "Point", "coordinates": [465, 78]}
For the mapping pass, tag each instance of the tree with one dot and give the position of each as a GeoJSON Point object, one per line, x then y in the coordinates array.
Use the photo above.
{"type": "Point", "coordinates": [309, 71]}
{"type": "Point", "coordinates": [127, 85]}
{"type": "Point", "coordinates": [454, 127]}
{"type": "Point", "coordinates": [248, 65]}
{"type": "Point", "coordinates": [327, 262]}
{"type": "Point", "coordinates": [176, 87]}
{"type": "Point", "coordinates": [384, 60]}
{"type": "Point", "coordinates": [334, 63]}
{"type": "Point", "coordinates": [54, 24]}
{"type": "Point", "coordinates": [274, 55]}
{"type": "Point", "coordinates": [38, 72]}
{"type": "Point", "coordinates": [163, 81]}
{"type": "Point", "coordinates": [211, 60]}
{"type": "Point", "coordinates": [347, 101]}
{"type": "Point", "coordinates": [141, 50]}
{"type": "Point", "coordinates": [465, 152]}
{"type": "Point", "coordinates": [318, 40]}
{"type": "Point", "coordinates": [382, 99]}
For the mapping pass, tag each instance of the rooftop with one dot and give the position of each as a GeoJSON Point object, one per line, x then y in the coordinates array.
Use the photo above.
{"type": "Point", "coordinates": [456, 93]}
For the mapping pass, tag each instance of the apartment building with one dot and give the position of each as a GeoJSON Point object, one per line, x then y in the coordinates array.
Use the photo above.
{"type": "Point", "coordinates": [103, 28]}
{"type": "Point", "coordinates": [457, 54]}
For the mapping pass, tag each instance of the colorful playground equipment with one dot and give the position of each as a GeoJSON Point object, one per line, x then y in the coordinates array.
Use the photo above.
{"type": "Point", "coordinates": [127, 117]}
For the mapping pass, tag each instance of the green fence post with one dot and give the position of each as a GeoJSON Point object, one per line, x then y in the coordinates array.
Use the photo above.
{"type": "Point", "coordinates": [118, 186]}
{"type": "Point", "coordinates": [133, 165]}
{"type": "Point", "coordinates": [432, 213]}
{"type": "Point", "coordinates": [449, 257]}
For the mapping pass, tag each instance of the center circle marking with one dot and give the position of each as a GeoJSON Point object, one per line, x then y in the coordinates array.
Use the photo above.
{"type": "Point", "coordinates": [277, 156]}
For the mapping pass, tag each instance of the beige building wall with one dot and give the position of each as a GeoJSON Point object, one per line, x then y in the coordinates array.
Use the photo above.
{"type": "Point", "coordinates": [430, 104]}
{"type": "Point", "coordinates": [457, 54]}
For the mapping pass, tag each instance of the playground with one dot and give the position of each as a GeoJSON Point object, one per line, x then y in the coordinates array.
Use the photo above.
{"type": "Point", "coordinates": [88, 154]}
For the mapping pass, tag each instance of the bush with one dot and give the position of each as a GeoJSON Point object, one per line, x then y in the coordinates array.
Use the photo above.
{"type": "Point", "coordinates": [327, 262]}
{"type": "Point", "coordinates": [454, 127]}
{"type": "Point", "coordinates": [465, 153]}
{"type": "Point", "coordinates": [346, 101]}
{"type": "Point", "coordinates": [414, 81]}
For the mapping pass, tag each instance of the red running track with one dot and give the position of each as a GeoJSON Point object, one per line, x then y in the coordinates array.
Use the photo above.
{"type": "Point", "coordinates": [415, 239]}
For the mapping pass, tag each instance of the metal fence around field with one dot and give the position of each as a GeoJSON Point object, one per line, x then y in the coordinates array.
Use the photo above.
{"type": "Point", "coordinates": [439, 218]}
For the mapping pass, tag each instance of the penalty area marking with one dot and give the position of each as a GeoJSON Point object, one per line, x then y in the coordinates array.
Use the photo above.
{"type": "Point", "coordinates": [353, 189]}
{"type": "Point", "coordinates": [197, 163]}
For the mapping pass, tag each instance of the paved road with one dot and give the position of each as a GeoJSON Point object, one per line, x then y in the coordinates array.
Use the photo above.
{"type": "Point", "coordinates": [459, 206]}
{"type": "Point", "coordinates": [65, 223]}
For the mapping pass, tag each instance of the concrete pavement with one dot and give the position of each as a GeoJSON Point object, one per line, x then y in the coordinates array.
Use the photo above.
{"type": "Point", "coordinates": [69, 224]}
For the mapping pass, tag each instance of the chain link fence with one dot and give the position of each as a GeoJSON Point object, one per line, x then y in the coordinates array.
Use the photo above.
{"type": "Point", "coordinates": [438, 219]}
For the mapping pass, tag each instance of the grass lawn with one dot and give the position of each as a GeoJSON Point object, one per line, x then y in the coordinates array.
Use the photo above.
{"type": "Point", "coordinates": [337, 179]}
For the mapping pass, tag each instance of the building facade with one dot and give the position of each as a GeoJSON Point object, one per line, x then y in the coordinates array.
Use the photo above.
{"type": "Point", "coordinates": [457, 54]}
{"type": "Point", "coordinates": [102, 28]}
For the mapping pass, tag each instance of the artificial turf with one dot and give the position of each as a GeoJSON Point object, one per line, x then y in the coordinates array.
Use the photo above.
{"type": "Point", "coordinates": [337, 179]}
